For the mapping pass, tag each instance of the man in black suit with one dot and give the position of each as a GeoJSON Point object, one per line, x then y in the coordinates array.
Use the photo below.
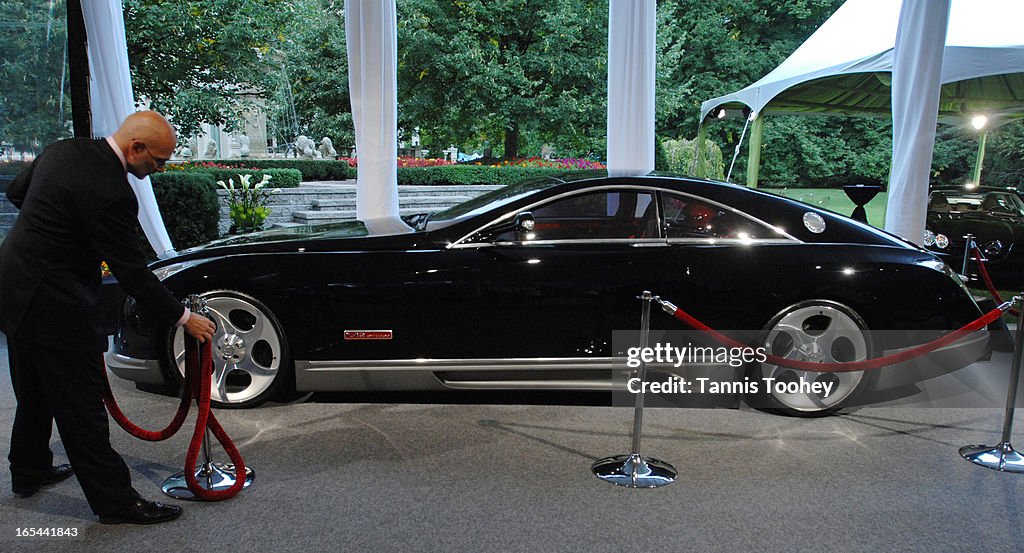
{"type": "Point", "coordinates": [77, 209]}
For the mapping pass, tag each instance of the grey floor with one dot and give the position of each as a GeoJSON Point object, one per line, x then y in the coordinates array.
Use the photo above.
{"type": "Point", "coordinates": [464, 477]}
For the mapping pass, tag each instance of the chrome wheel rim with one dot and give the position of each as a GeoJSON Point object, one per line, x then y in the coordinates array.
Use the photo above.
{"type": "Point", "coordinates": [821, 334]}
{"type": "Point", "coordinates": [246, 350]}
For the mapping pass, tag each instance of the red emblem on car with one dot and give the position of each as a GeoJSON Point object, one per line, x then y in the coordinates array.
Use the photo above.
{"type": "Point", "coordinates": [368, 334]}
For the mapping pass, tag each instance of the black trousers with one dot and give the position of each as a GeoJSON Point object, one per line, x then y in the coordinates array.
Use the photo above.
{"type": "Point", "coordinates": [67, 388]}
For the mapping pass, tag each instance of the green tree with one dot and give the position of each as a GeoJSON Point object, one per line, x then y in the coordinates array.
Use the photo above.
{"type": "Point", "coordinates": [312, 95]}
{"type": "Point", "coordinates": [707, 48]}
{"type": "Point", "coordinates": [35, 106]}
{"type": "Point", "coordinates": [204, 61]}
{"type": "Point", "coordinates": [1004, 165]}
{"type": "Point", "coordinates": [475, 71]}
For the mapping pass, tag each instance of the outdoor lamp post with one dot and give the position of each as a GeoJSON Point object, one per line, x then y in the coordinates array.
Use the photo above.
{"type": "Point", "coordinates": [979, 122]}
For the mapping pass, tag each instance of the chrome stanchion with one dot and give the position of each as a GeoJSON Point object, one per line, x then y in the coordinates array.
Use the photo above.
{"type": "Point", "coordinates": [1002, 456]}
{"type": "Point", "coordinates": [633, 470]}
{"type": "Point", "coordinates": [968, 249]}
{"type": "Point", "coordinates": [210, 476]}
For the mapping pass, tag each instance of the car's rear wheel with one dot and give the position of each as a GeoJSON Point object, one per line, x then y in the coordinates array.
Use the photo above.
{"type": "Point", "coordinates": [820, 331]}
{"type": "Point", "coordinates": [250, 354]}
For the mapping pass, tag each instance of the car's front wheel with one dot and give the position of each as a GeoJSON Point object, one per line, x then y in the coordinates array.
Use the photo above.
{"type": "Point", "coordinates": [250, 354]}
{"type": "Point", "coordinates": [820, 331]}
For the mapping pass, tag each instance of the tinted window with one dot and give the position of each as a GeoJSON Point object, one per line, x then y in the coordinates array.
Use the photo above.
{"type": "Point", "coordinates": [485, 201]}
{"type": "Point", "coordinates": [687, 217]}
{"type": "Point", "coordinates": [942, 201]}
{"type": "Point", "coordinates": [607, 214]}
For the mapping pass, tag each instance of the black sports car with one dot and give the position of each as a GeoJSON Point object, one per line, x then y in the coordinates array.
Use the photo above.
{"type": "Point", "coordinates": [994, 216]}
{"type": "Point", "coordinates": [521, 288]}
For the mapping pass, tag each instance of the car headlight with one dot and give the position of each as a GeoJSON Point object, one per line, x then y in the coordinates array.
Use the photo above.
{"type": "Point", "coordinates": [929, 238]}
{"type": "Point", "coordinates": [164, 273]}
{"type": "Point", "coordinates": [942, 241]}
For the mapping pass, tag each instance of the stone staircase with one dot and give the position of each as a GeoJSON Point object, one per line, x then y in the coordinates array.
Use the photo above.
{"type": "Point", "coordinates": [411, 199]}
{"type": "Point", "coordinates": [331, 201]}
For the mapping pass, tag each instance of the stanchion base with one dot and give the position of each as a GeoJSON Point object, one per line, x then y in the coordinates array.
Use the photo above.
{"type": "Point", "coordinates": [1000, 457]}
{"type": "Point", "coordinates": [210, 476]}
{"type": "Point", "coordinates": [634, 471]}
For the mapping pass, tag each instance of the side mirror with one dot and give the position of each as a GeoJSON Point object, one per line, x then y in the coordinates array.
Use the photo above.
{"type": "Point", "coordinates": [524, 223]}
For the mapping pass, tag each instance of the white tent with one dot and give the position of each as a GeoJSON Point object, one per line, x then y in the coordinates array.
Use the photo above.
{"type": "Point", "coordinates": [844, 67]}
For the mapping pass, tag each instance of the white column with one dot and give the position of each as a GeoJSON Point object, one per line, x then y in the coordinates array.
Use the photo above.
{"type": "Point", "coordinates": [916, 82]}
{"type": "Point", "coordinates": [631, 63]}
{"type": "Point", "coordinates": [112, 100]}
{"type": "Point", "coordinates": [371, 31]}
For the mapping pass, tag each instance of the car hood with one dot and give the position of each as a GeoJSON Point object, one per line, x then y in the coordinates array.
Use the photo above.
{"type": "Point", "coordinates": [288, 236]}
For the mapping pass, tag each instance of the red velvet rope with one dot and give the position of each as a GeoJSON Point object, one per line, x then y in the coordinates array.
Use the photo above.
{"type": "Point", "coordinates": [988, 281]}
{"type": "Point", "coordinates": [198, 367]}
{"type": "Point", "coordinates": [850, 366]}
{"type": "Point", "coordinates": [203, 359]}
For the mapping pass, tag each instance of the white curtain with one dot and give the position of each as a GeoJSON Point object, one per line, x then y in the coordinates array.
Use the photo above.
{"type": "Point", "coordinates": [917, 68]}
{"type": "Point", "coordinates": [112, 100]}
{"type": "Point", "coordinates": [371, 36]}
{"type": "Point", "coordinates": [631, 62]}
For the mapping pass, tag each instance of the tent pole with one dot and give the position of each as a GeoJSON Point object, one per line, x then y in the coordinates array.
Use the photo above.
{"type": "Point", "coordinates": [78, 67]}
{"type": "Point", "coordinates": [754, 154]}
{"type": "Point", "coordinates": [979, 159]}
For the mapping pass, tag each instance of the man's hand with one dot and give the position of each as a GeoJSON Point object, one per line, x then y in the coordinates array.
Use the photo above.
{"type": "Point", "coordinates": [199, 327]}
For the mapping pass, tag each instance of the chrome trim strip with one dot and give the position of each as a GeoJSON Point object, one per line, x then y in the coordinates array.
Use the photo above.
{"type": "Point", "coordinates": [729, 241]}
{"type": "Point", "coordinates": [461, 241]}
{"type": "Point", "coordinates": [589, 385]}
{"type": "Point", "coordinates": [455, 365]}
{"type": "Point", "coordinates": [460, 364]}
{"type": "Point", "coordinates": [639, 243]}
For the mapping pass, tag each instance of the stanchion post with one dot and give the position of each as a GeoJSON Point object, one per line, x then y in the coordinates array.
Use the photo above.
{"type": "Point", "coordinates": [210, 476]}
{"type": "Point", "coordinates": [634, 470]}
{"type": "Point", "coordinates": [1002, 456]}
{"type": "Point", "coordinates": [968, 248]}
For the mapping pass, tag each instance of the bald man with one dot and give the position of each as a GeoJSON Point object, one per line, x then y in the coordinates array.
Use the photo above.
{"type": "Point", "coordinates": [76, 210]}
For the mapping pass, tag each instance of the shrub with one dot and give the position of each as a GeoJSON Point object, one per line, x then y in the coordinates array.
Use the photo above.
{"type": "Point", "coordinates": [280, 178]}
{"type": "Point", "coordinates": [188, 205]}
{"type": "Point", "coordinates": [679, 156]}
{"type": "Point", "coordinates": [471, 174]}
{"type": "Point", "coordinates": [309, 169]}
{"type": "Point", "coordinates": [13, 167]}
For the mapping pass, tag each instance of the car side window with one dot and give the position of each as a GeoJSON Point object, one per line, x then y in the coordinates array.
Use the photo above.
{"type": "Point", "coordinates": [600, 215]}
{"type": "Point", "coordinates": [687, 217]}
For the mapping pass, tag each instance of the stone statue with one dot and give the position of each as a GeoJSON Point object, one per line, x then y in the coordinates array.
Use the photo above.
{"type": "Point", "coordinates": [305, 147]}
{"type": "Point", "coordinates": [243, 146]}
{"type": "Point", "coordinates": [547, 152]}
{"type": "Point", "coordinates": [327, 148]}
{"type": "Point", "coordinates": [211, 150]}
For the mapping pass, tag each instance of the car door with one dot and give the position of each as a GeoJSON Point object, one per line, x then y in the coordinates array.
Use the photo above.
{"type": "Point", "coordinates": [561, 288]}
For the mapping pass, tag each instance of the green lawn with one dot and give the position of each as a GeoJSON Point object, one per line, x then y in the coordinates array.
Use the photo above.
{"type": "Point", "coordinates": [834, 199]}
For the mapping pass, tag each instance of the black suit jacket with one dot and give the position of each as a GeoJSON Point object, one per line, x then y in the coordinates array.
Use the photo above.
{"type": "Point", "coordinates": [77, 209]}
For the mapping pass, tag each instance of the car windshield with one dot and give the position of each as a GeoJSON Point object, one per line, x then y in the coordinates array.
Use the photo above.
{"type": "Point", "coordinates": [980, 202]}
{"type": "Point", "coordinates": [485, 202]}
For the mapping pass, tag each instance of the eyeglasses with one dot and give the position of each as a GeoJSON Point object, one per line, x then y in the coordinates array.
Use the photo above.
{"type": "Point", "coordinates": [160, 161]}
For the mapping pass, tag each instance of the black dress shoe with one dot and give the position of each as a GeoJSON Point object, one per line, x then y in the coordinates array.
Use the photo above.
{"type": "Point", "coordinates": [143, 512]}
{"type": "Point", "coordinates": [54, 475]}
